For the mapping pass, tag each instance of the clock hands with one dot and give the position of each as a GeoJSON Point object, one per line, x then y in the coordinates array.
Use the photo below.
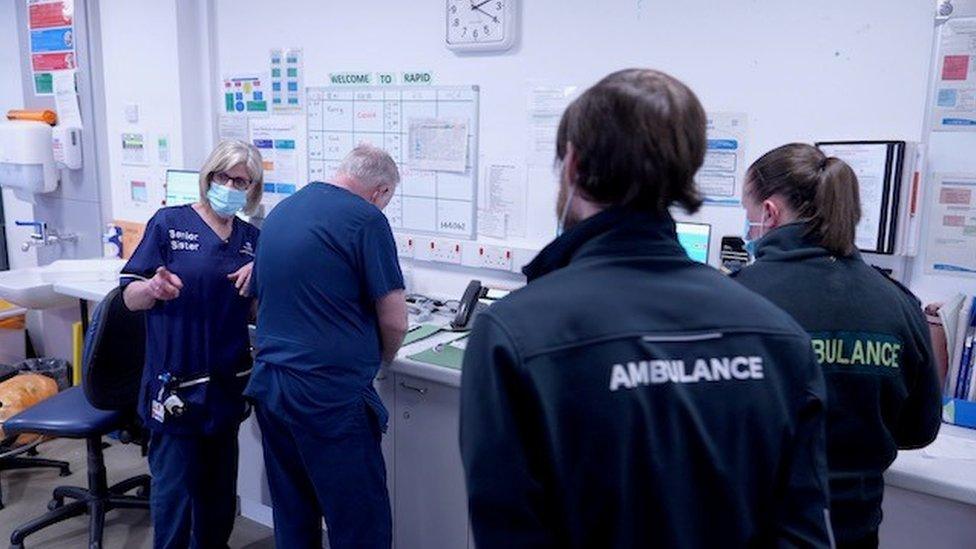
{"type": "Point", "coordinates": [478, 8]}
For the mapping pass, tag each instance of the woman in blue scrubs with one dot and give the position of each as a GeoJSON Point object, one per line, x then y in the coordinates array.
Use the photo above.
{"type": "Point", "coordinates": [191, 274]}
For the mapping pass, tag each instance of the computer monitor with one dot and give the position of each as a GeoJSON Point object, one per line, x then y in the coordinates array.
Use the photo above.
{"type": "Point", "coordinates": [182, 187]}
{"type": "Point", "coordinates": [695, 238]}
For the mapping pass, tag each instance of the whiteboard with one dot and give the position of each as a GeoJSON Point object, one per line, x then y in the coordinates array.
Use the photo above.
{"type": "Point", "coordinates": [340, 117]}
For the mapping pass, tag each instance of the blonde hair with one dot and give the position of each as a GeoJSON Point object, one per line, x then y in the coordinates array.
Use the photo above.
{"type": "Point", "coordinates": [226, 155]}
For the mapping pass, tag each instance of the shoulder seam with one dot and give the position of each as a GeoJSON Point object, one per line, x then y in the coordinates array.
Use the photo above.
{"type": "Point", "coordinates": [508, 335]}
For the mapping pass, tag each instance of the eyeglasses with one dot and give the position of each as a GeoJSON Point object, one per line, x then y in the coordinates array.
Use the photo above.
{"type": "Point", "coordinates": [238, 183]}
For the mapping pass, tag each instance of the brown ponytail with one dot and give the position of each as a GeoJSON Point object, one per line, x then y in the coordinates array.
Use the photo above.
{"type": "Point", "coordinates": [821, 191]}
{"type": "Point", "coordinates": [837, 206]}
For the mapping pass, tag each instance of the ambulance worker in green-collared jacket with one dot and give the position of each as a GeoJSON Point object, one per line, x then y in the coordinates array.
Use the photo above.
{"type": "Point", "coordinates": [868, 331]}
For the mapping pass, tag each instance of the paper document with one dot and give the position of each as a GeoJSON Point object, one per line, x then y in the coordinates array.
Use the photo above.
{"type": "Point", "coordinates": [868, 162]}
{"type": "Point", "coordinates": [437, 144]}
{"type": "Point", "coordinates": [276, 137]}
{"type": "Point", "coordinates": [720, 177]}
{"type": "Point", "coordinates": [232, 127]}
{"type": "Point", "coordinates": [546, 104]}
{"type": "Point", "coordinates": [66, 99]}
{"type": "Point", "coordinates": [949, 315]}
{"type": "Point", "coordinates": [951, 244]}
{"type": "Point", "coordinates": [955, 93]}
{"type": "Point", "coordinates": [134, 149]}
{"type": "Point", "coordinates": [503, 198]}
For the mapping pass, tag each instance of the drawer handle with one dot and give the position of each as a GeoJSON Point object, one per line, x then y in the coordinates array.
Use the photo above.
{"type": "Point", "coordinates": [420, 390]}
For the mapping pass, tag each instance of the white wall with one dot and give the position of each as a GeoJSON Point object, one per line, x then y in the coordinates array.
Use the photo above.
{"type": "Point", "coordinates": [802, 71]}
{"type": "Point", "coordinates": [141, 63]}
{"type": "Point", "coordinates": [12, 97]}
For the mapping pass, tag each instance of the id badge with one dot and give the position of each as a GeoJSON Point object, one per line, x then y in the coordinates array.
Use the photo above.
{"type": "Point", "coordinates": [158, 412]}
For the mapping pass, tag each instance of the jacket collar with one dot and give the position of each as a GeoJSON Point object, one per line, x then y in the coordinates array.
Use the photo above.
{"type": "Point", "coordinates": [613, 232]}
{"type": "Point", "coordinates": [791, 242]}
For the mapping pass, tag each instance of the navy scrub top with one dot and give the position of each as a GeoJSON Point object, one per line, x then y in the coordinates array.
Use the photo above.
{"type": "Point", "coordinates": [326, 256]}
{"type": "Point", "coordinates": [204, 330]}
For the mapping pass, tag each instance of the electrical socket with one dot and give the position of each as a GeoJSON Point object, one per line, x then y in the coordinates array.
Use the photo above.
{"type": "Point", "coordinates": [445, 251]}
{"type": "Point", "coordinates": [495, 257]}
{"type": "Point", "coordinates": [404, 245]}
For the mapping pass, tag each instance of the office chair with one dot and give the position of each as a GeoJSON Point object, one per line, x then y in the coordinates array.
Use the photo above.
{"type": "Point", "coordinates": [106, 403]}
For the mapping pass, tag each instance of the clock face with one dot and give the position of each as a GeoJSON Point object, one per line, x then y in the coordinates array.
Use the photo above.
{"type": "Point", "coordinates": [478, 22]}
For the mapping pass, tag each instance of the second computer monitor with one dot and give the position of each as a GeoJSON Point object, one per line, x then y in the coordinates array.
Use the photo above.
{"type": "Point", "coordinates": [182, 187]}
{"type": "Point", "coordinates": [695, 238]}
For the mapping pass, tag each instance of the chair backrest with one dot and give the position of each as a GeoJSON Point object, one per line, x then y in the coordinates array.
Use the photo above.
{"type": "Point", "coordinates": [115, 353]}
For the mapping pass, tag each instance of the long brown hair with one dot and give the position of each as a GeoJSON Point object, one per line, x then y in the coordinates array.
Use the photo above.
{"type": "Point", "coordinates": [821, 190]}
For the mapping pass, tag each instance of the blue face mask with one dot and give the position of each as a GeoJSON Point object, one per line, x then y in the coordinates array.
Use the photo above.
{"type": "Point", "coordinates": [752, 243]}
{"type": "Point", "coordinates": [226, 201]}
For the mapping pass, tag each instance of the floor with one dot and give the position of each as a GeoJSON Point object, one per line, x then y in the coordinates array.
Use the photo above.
{"type": "Point", "coordinates": [26, 494]}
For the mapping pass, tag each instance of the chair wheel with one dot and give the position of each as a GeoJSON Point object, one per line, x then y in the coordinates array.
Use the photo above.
{"type": "Point", "coordinates": [66, 472]}
{"type": "Point", "coordinates": [55, 503]}
{"type": "Point", "coordinates": [16, 546]}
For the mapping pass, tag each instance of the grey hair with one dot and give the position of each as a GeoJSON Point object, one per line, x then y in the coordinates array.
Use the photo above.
{"type": "Point", "coordinates": [227, 154]}
{"type": "Point", "coordinates": [371, 166]}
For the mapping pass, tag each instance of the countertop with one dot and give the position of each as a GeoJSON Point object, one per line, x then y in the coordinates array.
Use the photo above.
{"type": "Point", "coordinates": [946, 468]}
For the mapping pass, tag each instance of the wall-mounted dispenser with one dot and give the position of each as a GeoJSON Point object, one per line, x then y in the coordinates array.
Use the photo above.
{"type": "Point", "coordinates": [27, 158]}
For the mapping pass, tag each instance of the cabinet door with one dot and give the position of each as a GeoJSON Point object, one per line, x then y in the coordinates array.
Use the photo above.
{"type": "Point", "coordinates": [385, 383]}
{"type": "Point", "coordinates": [431, 506]}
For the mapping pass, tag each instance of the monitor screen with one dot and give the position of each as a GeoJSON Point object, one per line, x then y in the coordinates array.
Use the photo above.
{"type": "Point", "coordinates": [182, 187]}
{"type": "Point", "coordinates": [694, 238]}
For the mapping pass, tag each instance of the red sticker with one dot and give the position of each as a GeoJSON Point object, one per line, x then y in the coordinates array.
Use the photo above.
{"type": "Point", "coordinates": [954, 220]}
{"type": "Point", "coordinates": [955, 67]}
{"type": "Point", "coordinates": [50, 14]}
{"type": "Point", "coordinates": [57, 61]}
{"type": "Point", "coordinates": [955, 196]}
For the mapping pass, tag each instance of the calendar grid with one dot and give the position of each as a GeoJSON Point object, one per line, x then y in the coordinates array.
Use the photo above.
{"type": "Point", "coordinates": [426, 202]}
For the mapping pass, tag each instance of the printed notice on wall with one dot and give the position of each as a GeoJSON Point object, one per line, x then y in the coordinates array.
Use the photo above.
{"type": "Point", "coordinates": [134, 149]}
{"type": "Point", "coordinates": [720, 177]}
{"type": "Point", "coordinates": [546, 103]}
{"type": "Point", "coordinates": [232, 127]}
{"type": "Point", "coordinates": [66, 99]}
{"type": "Point", "coordinates": [951, 244]}
{"type": "Point", "coordinates": [287, 80]}
{"type": "Point", "coordinates": [276, 137]}
{"type": "Point", "coordinates": [437, 144]}
{"type": "Point", "coordinates": [502, 199]}
{"type": "Point", "coordinates": [50, 24]}
{"type": "Point", "coordinates": [244, 94]}
{"type": "Point", "coordinates": [955, 90]}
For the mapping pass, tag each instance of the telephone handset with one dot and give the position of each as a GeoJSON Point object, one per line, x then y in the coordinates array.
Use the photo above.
{"type": "Point", "coordinates": [469, 305]}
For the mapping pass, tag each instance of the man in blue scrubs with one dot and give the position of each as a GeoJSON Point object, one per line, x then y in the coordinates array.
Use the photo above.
{"type": "Point", "coordinates": [331, 309]}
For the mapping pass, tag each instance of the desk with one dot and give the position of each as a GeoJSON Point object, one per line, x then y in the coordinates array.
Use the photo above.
{"type": "Point", "coordinates": [95, 290]}
{"type": "Point", "coordinates": [930, 494]}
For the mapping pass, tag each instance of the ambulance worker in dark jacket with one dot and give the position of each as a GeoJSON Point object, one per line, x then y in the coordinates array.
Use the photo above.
{"type": "Point", "coordinates": [869, 334]}
{"type": "Point", "coordinates": [629, 396]}
{"type": "Point", "coordinates": [191, 274]}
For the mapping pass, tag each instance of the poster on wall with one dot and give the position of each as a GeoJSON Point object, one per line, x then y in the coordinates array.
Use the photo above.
{"type": "Point", "coordinates": [50, 25]}
{"type": "Point", "coordinates": [951, 245]}
{"type": "Point", "coordinates": [276, 137]}
{"type": "Point", "coordinates": [955, 90]}
{"type": "Point", "coordinates": [287, 80]}
{"type": "Point", "coordinates": [720, 177]}
{"type": "Point", "coordinates": [245, 94]}
{"type": "Point", "coordinates": [546, 103]}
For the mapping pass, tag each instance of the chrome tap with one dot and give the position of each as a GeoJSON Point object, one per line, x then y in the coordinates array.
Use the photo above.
{"type": "Point", "coordinates": [43, 236]}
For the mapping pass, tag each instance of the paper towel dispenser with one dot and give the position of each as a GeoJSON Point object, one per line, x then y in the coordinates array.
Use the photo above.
{"type": "Point", "coordinates": [27, 158]}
